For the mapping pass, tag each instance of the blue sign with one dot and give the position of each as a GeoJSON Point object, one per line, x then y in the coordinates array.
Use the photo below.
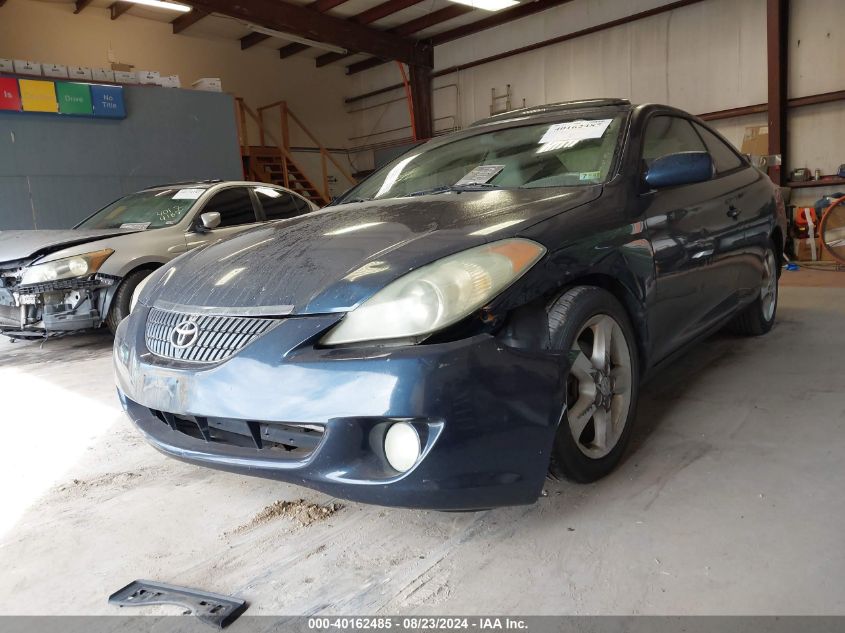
{"type": "Point", "coordinates": [108, 101]}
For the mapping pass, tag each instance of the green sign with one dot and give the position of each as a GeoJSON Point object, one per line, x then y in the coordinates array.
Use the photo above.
{"type": "Point", "coordinates": [74, 98]}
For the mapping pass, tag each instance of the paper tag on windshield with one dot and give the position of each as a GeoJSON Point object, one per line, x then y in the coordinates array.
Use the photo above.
{"type": "Point", "coordinates": [188, 194]}
{"type": "Point", "coordinates": [480, 175]}
{"type": "Point", "coordinates": [574, 131]}
{"type": "Point", "coordinates": [135, 226]}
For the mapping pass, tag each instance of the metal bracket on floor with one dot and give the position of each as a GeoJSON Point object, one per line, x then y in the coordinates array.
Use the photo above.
{"type": "Point", "coordinates": [211, 608]}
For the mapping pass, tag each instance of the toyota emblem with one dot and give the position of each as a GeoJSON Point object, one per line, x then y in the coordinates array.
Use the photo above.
{"type": "Point", "coordinates": [185, 334]}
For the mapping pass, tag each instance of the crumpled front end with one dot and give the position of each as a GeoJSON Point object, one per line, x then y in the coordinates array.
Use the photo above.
{"type": "Point", "coordinates": [275, 404]}
{"type": "Point", "coordinates": [44, 309]}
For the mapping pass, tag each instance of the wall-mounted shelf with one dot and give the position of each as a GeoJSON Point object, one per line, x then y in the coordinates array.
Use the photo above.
{"type": "Point", "coordinates": [825, 182]}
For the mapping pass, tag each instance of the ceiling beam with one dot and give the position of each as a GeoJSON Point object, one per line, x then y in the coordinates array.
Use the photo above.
{"type": "Point", "coordinates": [116, 9]}
{"type": "Point", "coordinates": [419, 24]}
{"type": "Point", "coordinates": [188, 19]}
{"type": "Point", "coordinates": [497, 19]}
{"type": "Point", "coordinates": [306, 22]}
{"type": "Point", "coordinates": [81, 4]}
{"type": "Point", "coordinates": [292, 49]}
{"type": "Point", "coordinates": [383, 10]}
{"type": "Point", "coordinates": [248, 41]}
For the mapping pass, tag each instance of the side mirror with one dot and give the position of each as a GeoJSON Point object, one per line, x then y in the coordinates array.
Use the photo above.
{"type": "Point", "coordinates": [210, 220]}
{"type": "Point", "coordinates": [681, 168]}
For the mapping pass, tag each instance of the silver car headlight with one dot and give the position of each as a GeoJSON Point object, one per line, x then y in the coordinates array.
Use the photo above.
{"type": "Point", "coordinates": [437, 295]}
{"type": "Point", "coordinates": [66, 268]}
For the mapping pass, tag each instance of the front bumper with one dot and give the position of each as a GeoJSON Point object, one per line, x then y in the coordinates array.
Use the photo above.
{"type": "Point", "coordinates": [54, 307]}
{"type": "Point", "coordinates": [486, 412]}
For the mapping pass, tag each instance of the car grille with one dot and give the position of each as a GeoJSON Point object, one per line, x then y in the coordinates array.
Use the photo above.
{"type": "Point", "coordinates": [216, 337]}
{"type": "Point", "coordinates": [293, 440]}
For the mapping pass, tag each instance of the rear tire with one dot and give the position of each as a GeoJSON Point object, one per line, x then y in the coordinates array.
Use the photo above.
{"type": "Point", "coordinates": [119, 309]}
{"type": "Point", "coordinates": [759, 317]}
{"type": "Point", "coordinates": [602, 386]}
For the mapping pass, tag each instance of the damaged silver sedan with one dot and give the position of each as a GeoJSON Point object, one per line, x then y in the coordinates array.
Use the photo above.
{"type": "Point", "coordinates": [60, 281]}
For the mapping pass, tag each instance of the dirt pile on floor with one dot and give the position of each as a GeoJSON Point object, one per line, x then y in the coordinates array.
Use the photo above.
{"type": "Point", "coordinates": [301, 512]}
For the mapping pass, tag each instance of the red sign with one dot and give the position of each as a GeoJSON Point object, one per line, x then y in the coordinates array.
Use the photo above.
{"type": "Point", "coordinates": [10, 96]}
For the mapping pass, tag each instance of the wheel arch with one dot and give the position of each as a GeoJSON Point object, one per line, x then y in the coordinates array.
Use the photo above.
{"type": "Point", "coordinates": [109, 294]}
{"type": "Point", "coordinates": [634, 308]}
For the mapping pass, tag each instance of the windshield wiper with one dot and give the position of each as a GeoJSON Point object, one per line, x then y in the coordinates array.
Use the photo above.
{"type": "Point", "coordinates": [353, 201]}
{"type": "Point", "coordinates": [456, 188]}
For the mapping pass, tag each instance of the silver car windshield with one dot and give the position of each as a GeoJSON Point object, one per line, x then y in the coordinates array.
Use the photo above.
{"type": "Point", "coordinates": [566, 153]}
{"type": "Point", "coordinates": [145, 210]}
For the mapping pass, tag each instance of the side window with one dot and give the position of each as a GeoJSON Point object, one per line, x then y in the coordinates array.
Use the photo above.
{"type": "Point", "coordinates": [724, 158]}
{"type": "Point", "coordinates": [234, 206]}
{"type": "Point", "coordinates": [667, 135]}
{"type": "Point", "coordinates": [278, 204]}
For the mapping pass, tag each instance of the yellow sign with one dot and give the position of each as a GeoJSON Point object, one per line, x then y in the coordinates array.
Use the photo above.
{"type": "Point", "coordinates": [38, 96]}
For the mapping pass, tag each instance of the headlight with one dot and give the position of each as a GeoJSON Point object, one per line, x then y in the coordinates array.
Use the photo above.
{"type": "Point", "coordinates": [437, 295]}
{"type": "Point", "coordinates": [67, 268]}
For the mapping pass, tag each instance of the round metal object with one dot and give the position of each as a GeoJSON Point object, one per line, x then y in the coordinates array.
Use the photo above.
{"type": "Point", "coordinates": [599, 386]}
{"type": "Point", "coordinates": [769, 286]}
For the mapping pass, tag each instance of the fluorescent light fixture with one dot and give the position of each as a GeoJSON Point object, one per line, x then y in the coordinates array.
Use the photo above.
{"type": "Point", "coordinates": [488, 5]}
{"type": "Point", "coordinates": [159, 4]}
{"type": "Point", "coordinates": [295, 38]}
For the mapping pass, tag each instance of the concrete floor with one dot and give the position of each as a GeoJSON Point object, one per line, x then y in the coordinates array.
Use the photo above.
{"type": "Point", "coordinates": [730, 502]}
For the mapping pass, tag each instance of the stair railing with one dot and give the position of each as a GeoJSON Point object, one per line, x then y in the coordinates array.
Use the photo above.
{"type": "Point", "coordinates": [286, 116]}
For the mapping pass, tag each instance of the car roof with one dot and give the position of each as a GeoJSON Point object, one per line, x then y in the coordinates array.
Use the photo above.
{"type": "Point", "coordinates": [553, 108]}
{"type": "Point", "coordinates": [208, 184]}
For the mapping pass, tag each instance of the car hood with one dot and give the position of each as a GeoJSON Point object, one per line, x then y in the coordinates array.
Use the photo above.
{"type": "Point", "coordinates": [16, 245]}
{"type": "Point", "coordinates": [332, 260]}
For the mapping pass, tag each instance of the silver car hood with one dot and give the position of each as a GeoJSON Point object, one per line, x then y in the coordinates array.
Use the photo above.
{"type": "Point", "coordinates": [16, 245]}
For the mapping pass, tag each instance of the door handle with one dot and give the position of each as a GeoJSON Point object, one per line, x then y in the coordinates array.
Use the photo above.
{"type": "Point", "coordinates": [733, 212]}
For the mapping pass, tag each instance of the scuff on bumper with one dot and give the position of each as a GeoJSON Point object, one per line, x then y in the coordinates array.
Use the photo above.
{"type": "Point", "coordinates": [486, 412]}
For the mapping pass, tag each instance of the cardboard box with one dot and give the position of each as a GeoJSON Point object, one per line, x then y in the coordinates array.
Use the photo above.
{"type": "Point", "coordinates": [803, 250]}
{"type": "Point", "coordinates": [82, 73]}
{"type": "Point", "coordinates": [55, 70]}
{"type": "Point", "coordinates": [24, 67]}
{"type": "Point", "coordinates": [755, 141]}
{"type": "Point", "coordinates": [171, 81]}
{"type": "Point", "coordinates": [148, 77]}
{"type": "Point", "coordinates": [102, 74]}
{"type": "Point", "coordinates": [7, 66]}
{"type": "Point", "coordinates": [125, 77]}
{"type": "Point", "coordinates": [209, 84]}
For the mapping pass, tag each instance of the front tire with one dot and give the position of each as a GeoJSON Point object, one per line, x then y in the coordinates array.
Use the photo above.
{"type": "Point", "coordinates": [119, 309]}
{"type": "Point", "coordinates": [602, 386]}
{"type": "Point", "coordinates": [759, 317]}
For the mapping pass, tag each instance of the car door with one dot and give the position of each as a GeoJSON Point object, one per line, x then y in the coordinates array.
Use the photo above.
{"type": "Point", "coordinates": [690, 232]}
{"type": "Point", "coordinates": [237, 212]}
{"type": "Point", "coordinates": [734, 176]}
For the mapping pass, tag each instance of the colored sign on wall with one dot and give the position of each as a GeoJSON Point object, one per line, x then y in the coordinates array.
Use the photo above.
{"type": "Point", "coordinates": [38, 96]}
{"type": "Point", "coordinates": [108, 101]}
{"type": "Point", "coordinates": [10, 96]}
{"type": "Point", "coordinates": [74, 98]}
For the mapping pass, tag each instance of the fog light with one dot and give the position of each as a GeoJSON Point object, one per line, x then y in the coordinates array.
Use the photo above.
{"type": "Point", "coordinates": [402, 446]}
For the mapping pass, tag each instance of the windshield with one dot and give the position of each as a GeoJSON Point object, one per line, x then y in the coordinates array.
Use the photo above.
{"type": "Point", "coordinates": [145, 210]}
{"type": "Point", "coordinates": [572, 152]}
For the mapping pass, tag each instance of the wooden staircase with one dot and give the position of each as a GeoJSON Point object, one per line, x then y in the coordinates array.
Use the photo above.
{"type": "Point", "coordinates": [273, 162]}
{"type": "Point", "coordinates": [269, 165]}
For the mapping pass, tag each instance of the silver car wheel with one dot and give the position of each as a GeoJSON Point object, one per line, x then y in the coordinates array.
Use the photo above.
{"type": "Point", "coordinates": [599, 386]}
{"type": "Point", "coordinates": [769, 286]}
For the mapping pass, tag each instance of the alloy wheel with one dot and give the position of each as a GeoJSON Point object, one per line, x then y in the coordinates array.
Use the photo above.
{"type": "Point", "coordinates": [769, 286]}
{"type": "Point", "coordinates": [599, 386]}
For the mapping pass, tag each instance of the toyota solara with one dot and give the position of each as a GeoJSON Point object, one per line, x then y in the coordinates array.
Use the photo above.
{"type": "Point", "coordinates": [475, 315]}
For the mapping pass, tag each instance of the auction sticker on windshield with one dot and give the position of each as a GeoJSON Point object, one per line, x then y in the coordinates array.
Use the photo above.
{"type": "Point", "coordinates": [188, 194]}
{"type": "Point", "coordinates": [137, 226]}
{"type": "Point", "coordinates": [573, 131]}
{"type": "Point", "coordinates": [480, 175]}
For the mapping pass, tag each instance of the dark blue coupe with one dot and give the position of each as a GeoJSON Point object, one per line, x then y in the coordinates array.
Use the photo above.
{"type": "Point", "coordinates": [476, 314]}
